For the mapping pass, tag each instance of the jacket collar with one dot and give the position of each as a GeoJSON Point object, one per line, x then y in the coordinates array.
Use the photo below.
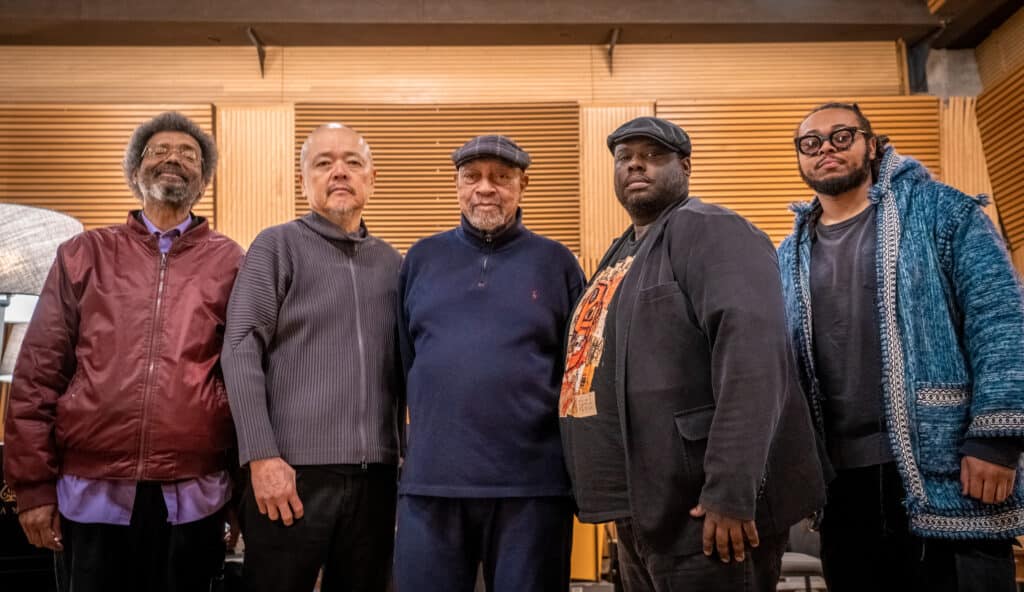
{"type": "Point", "coordinates": [331, 232]}
{"type": "Point", "coordinates": [504, 236]}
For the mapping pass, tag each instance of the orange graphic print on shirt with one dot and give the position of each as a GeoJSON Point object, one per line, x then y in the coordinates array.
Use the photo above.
{"type": "Point", "coordinates": [586, 341]}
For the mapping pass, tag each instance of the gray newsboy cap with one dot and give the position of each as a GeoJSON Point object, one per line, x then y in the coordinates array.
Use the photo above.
{"type": "Point", "coordinates": [491, 146]}
{"type": "Point", "coordinates": [661, 131]}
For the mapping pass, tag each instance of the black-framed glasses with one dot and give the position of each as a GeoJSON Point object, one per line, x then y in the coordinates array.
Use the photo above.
{"type": "Point", "coordinates": [162, 151]}
{"type": "Point", "coordinates": [841, 139]}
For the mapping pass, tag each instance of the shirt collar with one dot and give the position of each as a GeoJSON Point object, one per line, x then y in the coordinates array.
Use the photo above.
{"type": "Point", "coordinates": [181, 228]}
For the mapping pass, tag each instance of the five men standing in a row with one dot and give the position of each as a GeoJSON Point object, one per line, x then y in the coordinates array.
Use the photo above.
{"type": "Point", "coordinates": [684, 392]}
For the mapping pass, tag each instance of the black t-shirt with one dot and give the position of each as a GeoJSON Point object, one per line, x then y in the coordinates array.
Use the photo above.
{"type": "Point", "coordinates": [847, 346]}
{"type": "Point", "coordinates": [588, 410]}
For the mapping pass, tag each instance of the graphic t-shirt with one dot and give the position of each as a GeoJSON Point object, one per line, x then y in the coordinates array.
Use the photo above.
{"type": "Point", "coordinates": [588, 410]}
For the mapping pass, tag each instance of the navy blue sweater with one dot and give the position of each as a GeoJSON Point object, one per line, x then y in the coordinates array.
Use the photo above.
{"type": "Point", "coordinates": [482, 335]}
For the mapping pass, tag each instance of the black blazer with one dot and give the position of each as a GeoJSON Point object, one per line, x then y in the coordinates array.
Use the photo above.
{"type": "Point", "coordinates": [705, 373]}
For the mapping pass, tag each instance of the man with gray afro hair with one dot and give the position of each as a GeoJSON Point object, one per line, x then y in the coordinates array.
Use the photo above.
{"type": "Point", "coordinates": [122, 361]}
{"type": "Point", "coordinates": [169, 121]}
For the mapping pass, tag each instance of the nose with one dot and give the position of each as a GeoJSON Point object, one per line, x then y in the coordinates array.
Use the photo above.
{"type": "Point", "coordinates": [339, 170]}
{"type": "Point", "coordinates": [635, 164]}
{"type": "Point", "coordinates": [826, 146]}
{"type": "Point", "coordinates": [485, 186]}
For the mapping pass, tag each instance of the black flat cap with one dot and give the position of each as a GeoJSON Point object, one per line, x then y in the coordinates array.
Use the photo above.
{"type": "Point", "coordinates": [491, 146]}
{"type": "Point", "coordinates": [661, 131]}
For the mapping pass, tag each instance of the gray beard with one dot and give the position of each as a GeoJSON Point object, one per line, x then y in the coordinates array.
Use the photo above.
{"type": "Point", "coordinates": [172, 195]}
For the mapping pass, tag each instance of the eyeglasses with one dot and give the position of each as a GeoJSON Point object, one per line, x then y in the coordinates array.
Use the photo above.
{"type": "Point", "coordinates": [162, 151]}
{"type": "Point", "coordinates": [841, 139]}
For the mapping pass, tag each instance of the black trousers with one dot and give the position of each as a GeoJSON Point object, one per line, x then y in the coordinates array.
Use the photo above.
{"type": "Point", "coordinates": [149, 554]}
{"type": "Point", "coordinates": [645, 571]}
{"type": "Point", "coordinates": [866, 543]}
{"type": "Point", "coordinates": [347, 528]}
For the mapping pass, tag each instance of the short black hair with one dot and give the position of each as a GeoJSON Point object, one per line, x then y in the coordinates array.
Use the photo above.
{"type": "Point", "coordinates": [168, 121]}
{"type": "Point", "coordinates": [863, 123]}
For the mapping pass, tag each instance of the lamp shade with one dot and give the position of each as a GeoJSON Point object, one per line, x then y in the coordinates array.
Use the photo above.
{"type": "Point", "coordinates": [29, 238]}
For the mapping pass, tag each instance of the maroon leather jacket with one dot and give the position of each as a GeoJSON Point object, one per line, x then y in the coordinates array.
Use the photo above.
{"type": "Point", "coordinates": [119, 374]}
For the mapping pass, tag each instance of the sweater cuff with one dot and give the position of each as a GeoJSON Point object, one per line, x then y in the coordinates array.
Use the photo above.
{"type": "Point", "coordinates": [1000, 451]}
{"type": "Point", "coordinates": [36, 495]}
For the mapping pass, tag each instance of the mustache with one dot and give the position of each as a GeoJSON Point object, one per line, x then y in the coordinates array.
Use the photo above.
{"type": "Point", "coordinates": [173, 169]}
{"type": "Point", "coordinates": [821, 161]}
{"type": "Point", "coordinates": [334, 186]}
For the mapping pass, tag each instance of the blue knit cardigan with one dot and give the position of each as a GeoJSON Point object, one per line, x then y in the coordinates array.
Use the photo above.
{"type": "Point", "coordinates": [951, 320]}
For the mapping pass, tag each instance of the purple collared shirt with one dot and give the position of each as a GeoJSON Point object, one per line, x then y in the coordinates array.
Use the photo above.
{"type": "Point", "coordinates": [110, 502]}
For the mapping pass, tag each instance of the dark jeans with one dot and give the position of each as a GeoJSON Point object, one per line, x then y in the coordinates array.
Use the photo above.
{"type": "Point", "coordinates": [348, 528]}
{"type": "Point", "coordinates": [524, 544]}
{"type": "Point", "coordinates": [149, 554]}
{"type": "Point", "coordinates": [866, 543]}
{"type": "Point", "coordinates": [643, 570]}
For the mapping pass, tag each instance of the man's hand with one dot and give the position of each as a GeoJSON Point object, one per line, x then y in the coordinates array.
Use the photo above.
{"type": "Point", "coordinates": [42, 527]}
{"type": "Point", "coordinates": [984, 481]}
{"type": "Point", "coordinates": [273, 485]}
{"type": "Point", "coordinates": [720, 531]}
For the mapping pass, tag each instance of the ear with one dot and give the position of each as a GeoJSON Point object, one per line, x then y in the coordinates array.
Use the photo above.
{"type": "Point", "coordinates": [872, 147]}
{"type": "Point", "coordinates": [524, 180]}
{"type": "Point", "coordinates": [685, 163]}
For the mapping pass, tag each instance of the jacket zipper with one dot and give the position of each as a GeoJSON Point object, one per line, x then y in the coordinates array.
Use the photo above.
{"type": "Point", "coordinates": [487, 255]}
{"type": "Point", "coordinates": [362, 363]}
{"type": "Point", "coordinates": [151, 364]}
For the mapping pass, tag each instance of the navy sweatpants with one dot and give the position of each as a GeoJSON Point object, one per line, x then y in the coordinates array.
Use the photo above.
{"type": "Point", "coordinates": [523, 543]}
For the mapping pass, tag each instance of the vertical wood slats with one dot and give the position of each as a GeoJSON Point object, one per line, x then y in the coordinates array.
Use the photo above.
{"type": "Point", "coordinates": [412, 146]}
{"type": "Point", "coordinates": [1000, 112]}
{"type": "Point", "coordinates": [743, 154]}
{"type": "Point", "coordinates": [602, 218]}
{"type": "Point", "coordinates": [963, 159]}
{"type": "Point", "coordinates": [428, 75]}
{"type": "Point", "coordinates": [255, 183]}
{"type": "Point", "coordinates": [1002, 52]}
{"type": "Point", "coordinates": [68, 157]}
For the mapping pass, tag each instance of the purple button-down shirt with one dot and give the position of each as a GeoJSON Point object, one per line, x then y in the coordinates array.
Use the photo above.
{"type": "Point", "coordinates": [110, 502]}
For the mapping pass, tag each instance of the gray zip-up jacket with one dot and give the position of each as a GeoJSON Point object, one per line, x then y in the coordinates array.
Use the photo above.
{"type": "Point", "coordinates": [310, 348]}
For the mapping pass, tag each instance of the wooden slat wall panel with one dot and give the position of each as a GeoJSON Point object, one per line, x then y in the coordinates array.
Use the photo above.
{"type": "Point", "coordinates": [412, 146]}
{"type": "Point", "coordinates": [437, 74]}
{"type": "Point", "coordinates": [256, 180]}
{"type": "Point", "coordinates": [602, 219]}
{"type": "Point", "coordinates": [649, 72]}
{"type": "Point", "coordinates": [1002, 52]}
{"type": "Point", "coordinates": [445, 74]}
{"type": "Point", "coordinates": [68, 157]}
{"type": "Point", "coordinates": [743, 155]}
{"type": "Point", "coordinates": [1018, 260]}
{"type": "Point", "coordinates": [138, 74]}
{"type": "Point", "coordinates": [1001, 122]}
{"type": "Point", "coordinates": [963, 159]}
{"type": "Point", "coordinates": [935, 5]}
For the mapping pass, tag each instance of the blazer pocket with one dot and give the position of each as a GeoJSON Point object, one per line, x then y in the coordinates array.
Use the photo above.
{"type": "Point", "coordinates": [659, 291]}
{"type": "Point", "coordinates": [695, 424]}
